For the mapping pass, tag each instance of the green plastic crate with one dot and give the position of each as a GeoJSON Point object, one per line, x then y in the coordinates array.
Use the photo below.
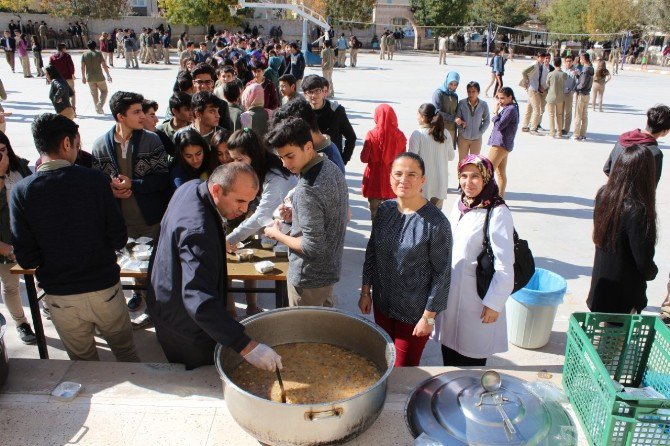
{"type": "Point", "coordinates": [633, 350]}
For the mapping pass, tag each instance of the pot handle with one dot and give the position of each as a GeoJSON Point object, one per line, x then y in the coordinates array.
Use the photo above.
{"type": "Point", "coordinates": [323, 414]}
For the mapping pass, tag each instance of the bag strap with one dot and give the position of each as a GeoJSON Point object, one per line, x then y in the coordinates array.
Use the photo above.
{"type": "Point", "coordinates": [486, 243]}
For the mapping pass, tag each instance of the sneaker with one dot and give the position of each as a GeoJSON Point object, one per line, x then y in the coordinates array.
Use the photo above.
{"type": "Point", "coordinates": [536, 133]}
{"type": "Point", "coordinates": [141, 321]}
{"type": "Point", "coordinates": [564, 133]}
{"type": "Point", "coordinates": [46, 314]}
{"type": "Point", "coordinates": [99, 111]}
{"type": "Point", "coordinates": [134, 302]}
{"type": "Point", "coordinates": [540, 129]}
{"type": "Point", "coordinates": [26, 334]}
{"type": "Point", "coordinates": [525, 129]}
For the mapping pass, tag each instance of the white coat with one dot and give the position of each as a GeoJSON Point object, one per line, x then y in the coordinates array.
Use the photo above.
{"type": "Point", "coordinates": [460, 327]}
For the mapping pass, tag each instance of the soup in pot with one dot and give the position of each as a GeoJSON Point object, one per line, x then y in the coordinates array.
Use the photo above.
{"type": "Point", "coordinates": [313, 373]}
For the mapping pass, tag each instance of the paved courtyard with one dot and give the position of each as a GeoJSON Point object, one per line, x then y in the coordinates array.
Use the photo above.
{"type": "Point", "coordinates": [550, 189]}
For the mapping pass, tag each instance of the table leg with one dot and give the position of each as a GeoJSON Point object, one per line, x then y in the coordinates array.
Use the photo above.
{"type": "Point", "coordinates": [281, 294]}
{"type": "Point", "coordinates": [37, 316]}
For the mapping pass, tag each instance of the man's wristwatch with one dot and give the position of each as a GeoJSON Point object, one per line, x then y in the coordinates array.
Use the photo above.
{"type": "Point", "coordinates": [429, 320]}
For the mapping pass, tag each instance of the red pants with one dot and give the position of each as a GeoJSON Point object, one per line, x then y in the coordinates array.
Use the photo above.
{"type": "Point", "coordinates": [408, 348]}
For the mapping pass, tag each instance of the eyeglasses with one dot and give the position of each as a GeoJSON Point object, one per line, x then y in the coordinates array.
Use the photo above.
{"type": "Point", "coordinates": [314, 91]}
{"type": "Point", "coordinates": [202, 82]}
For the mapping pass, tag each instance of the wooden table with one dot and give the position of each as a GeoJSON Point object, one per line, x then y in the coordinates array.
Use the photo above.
{"type": "Point", "coordinates": [236, 271]}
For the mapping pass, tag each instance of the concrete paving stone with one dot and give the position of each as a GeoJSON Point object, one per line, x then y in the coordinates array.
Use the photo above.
{"type": "Point", "coordinates": [24, 377]}
{"type": "Point", "coordinates": [146, 381]}
{"type": "Point", "coordinates": [178, 428]}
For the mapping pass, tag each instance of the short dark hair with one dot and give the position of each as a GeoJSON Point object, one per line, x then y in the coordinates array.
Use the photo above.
{"type": "Point", "coordinates": [201, 100]}
{"type": "Point", "coordinates": [204, 68]}
{"type": "Point", "coordinates": [415, 157]}
{"type": "Point", "coordinates": [91, 45]}
{"type": "Point", "coordinates": [473, 84]}
{"type": "Point", "coordinates": [298, 108]}
{"type": "Point", "coordinates": [228, 69]}
{"type": "Point", "coordinates": [586, 56]}
{"type": "Point", "coordinates": [294, 45]}
{"type": "Point", "coordinates": [121, 101]}
{"type": "Point", "coordinates": [61, 46]}
{"type": "Point", "coordinates": [288, 78]}
{"type": "Point", "coordinates": [148, 104]}
{"type": "Point", "coordinates": [179, 99]}
{"type": "Point", "coordinates": [184, 80]}
{"type": "Point", "coordinates": [49, 130]}
{"type": "Point", "coordinates": [293, 131]}
{"type": "Point", "coordinates": [557, 61]}
{"type": "Point", "coordinates": [658, 119]}
{"type": "Point", "coordinates": [232, 91]}
{"type": "Point", "coordinates": [313, 81]}
{"type": "Point", "coordinates": [257, 65]}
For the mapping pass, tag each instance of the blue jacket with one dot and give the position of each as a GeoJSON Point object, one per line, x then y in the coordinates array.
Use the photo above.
{"type": "Point", "coordinates": [189, 280]}
{"type": "Point", "coordinates": [150, 181]}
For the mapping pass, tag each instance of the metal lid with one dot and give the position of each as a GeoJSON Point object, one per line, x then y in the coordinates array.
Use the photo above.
{"type": "Point", "coordinates": [454, 409]}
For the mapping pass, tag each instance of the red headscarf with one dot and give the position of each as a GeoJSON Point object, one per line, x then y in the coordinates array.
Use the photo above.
{"type": "Point", "coordinates": [382, 144]}
{"type": "Point", "coordinates": [386, 138]}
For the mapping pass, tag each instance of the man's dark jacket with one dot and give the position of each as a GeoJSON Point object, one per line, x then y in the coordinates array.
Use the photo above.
{"type": "Point", "coordinates": [333, 121]}
{"type": "Point", "coordinates": [189, 282]}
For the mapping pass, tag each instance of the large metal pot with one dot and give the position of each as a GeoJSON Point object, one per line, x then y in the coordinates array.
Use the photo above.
{"type": "Point", "coordinates": [309, 424]}
{"type": "Point", "coordinates": [4, 361]}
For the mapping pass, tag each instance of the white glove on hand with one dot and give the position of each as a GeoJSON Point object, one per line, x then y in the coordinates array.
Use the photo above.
{"type": "Point", "coordinates": [264, 358]}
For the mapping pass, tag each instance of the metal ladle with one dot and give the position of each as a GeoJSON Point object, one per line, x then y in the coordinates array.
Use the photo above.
{"type": "Point", "coordinates": [492, 382]}
{"type": "Point", "coordinates": [281, 385]}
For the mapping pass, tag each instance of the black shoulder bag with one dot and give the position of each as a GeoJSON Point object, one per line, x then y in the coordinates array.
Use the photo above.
{"type": "Point", "coordinates": [524, 264]}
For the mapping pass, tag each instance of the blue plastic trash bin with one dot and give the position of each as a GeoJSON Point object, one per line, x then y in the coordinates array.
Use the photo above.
{"type": "Point", "coordinates": [531, 310]}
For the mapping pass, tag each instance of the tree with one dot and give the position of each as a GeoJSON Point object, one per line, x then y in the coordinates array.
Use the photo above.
{"type": "Point", "coordinates": [17, 6]}
{"type": "Point", "coordinates": [85, 10]}
{"type": "Point", "coordinates": [566, 16]}
{"type": "Point", "coordinates": [656, 14]}
{"type": "Point", "coordinates": [501, 12]}
{"type": "Point", "coordinates": [611, 16]}
{"type": "Point", "coordinates": [354, 10]}
{"type": "Point", "coordinates": [438, 13]}
{"type": "Point", "coordinates": [197, 12]}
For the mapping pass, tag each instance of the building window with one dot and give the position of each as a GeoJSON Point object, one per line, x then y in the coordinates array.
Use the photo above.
{"type": "Point", "coordinates": [138, 3]}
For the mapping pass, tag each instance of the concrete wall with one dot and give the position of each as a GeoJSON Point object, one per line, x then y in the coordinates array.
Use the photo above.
{"type": "Point", "coordinates": [292, 28]}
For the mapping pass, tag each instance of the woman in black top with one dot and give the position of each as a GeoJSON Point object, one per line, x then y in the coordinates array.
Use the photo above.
{"type": "Point", "coordinates": [60, 93]}
{"type": "Point", "coordinates": [37, 55]}
{"type": "Point", "coordinates": [624, 232]}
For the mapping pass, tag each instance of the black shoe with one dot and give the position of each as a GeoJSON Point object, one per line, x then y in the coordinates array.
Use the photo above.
{"type": "Point", "coordinates": [135, 302]}
{"type": "Point", "coordinates": [26, 334]}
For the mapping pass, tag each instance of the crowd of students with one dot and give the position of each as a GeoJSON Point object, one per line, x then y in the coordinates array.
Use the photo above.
{"type": "Point", "coordinates": [241, 153]}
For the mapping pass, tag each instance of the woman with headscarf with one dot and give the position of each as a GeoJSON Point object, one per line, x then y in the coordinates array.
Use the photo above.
{"type": "Point", "coordinates": [256, 116]}
{"type": "Point", "coordinates": [472, 328]}
{"type": "Point", "coordinates": [445, 100]}
{"type": "Point", "coordinates": [382, 144]}
{"type": "Point", "coordinates": [275, 67]}
{"type": "Point", "coordinates": [407, 267]}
